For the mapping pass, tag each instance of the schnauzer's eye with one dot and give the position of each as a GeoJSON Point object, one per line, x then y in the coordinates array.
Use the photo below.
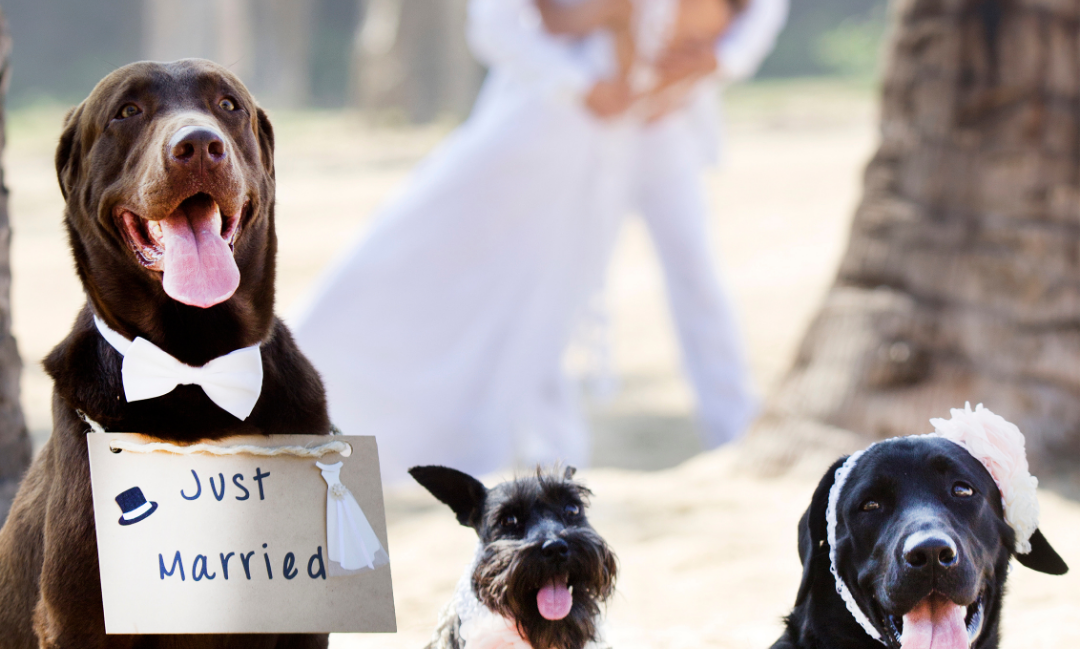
{"type": "Point", "coordinates": [128, 110]}
{"type": "Point", "coordinates": [962, 490]}
{"type": "Point", "coordinates": [871, 506]}
{"type": "Point", "coordinates": [509, 521]}
{"type": "Point", "coordinates": [573, 509]}
{"type": "Point", "coordinates": [227, 104]}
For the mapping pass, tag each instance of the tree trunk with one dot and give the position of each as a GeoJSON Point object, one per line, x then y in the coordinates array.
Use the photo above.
{"type": "Point", "coordinates": [267, 43]}
{"type": "Point", "coordinates": [411, 57]}
{"type": "Point", "coordinates": [14, 440]}
{"type": "Point", "coordinates": [961, 281]}
{"type": "Point", "coordinates": [282, 42]}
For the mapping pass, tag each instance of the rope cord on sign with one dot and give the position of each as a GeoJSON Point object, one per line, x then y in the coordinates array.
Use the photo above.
{"type": "Point", "coordinates": [117, 446]}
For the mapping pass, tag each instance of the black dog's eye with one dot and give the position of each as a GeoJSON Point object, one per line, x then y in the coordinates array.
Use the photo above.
{"type": "Point", "coordinates": [962, 490]}
{"type": "Point", "coordinates": [509, 521]}
{"type": "Point", "coordinates": [128, 110]}
{"type": "Point", "coordinates": [573, 509]}
{"type": "Point", "coordinates": [227, 104]}
{"type": "Point", "coordinates": [871, 506]}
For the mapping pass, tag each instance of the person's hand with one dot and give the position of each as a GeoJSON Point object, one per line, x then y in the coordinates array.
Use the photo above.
{"type": "Point", "coordinates": [685, 63]}
{"type": "Point", "coordinates": [582, 18]}
{"type": "Point", "coordinates": [658, 105]}
{"type": "Point", "coordinates": [609, 98]}
{"type": "Point", "coordinates": [618, 13]}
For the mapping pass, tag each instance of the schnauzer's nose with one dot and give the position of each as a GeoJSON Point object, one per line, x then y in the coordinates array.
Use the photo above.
{"type": "Point", "coordinates": [555, 549]}
{"type": "Point", "coordinates": [200, 146]}
{"type": "Point", "coordinates": [928, 551]}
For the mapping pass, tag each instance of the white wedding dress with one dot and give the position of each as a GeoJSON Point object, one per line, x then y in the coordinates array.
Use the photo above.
{"type": "Point", "coordinates": [441, 330]}
{"type": "Point", "coordinates": [351, 543]}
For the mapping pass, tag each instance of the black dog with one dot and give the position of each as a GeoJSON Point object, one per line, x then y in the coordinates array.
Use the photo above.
{"type": "Point", "coordinates": [921, 545]}
{"type": "Point", "coordinates": [541, 567]}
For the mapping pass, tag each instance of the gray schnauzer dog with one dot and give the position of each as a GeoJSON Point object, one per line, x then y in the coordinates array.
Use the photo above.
{"type": "Point", "coordinates": [541, 572]}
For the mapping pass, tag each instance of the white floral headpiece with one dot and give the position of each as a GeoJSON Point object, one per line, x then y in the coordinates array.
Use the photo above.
{"type": "Point", "coordinates": [999, 445]}
{"type": "Point", "coordinates": [993, 441]}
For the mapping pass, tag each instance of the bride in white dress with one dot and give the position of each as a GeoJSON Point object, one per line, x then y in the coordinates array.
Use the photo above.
{"type": "Point", "coordinates": [441, 330]}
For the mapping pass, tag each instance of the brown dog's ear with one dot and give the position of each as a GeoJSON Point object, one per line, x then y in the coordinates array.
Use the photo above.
{"type": "Point", "coordinates": [813, 531]}
{"type": "Point", "coordinates": [460, 491]}
{"type": "Point", "coordinates": [266, 140]}
{"type": "Point", "coordinates": [69, 150]}
{"type": "Point", "coordinates": [1042, 557]}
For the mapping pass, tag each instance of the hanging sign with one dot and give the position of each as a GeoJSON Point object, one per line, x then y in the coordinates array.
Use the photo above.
{"type": "Point", "coordinates": [253, 534]}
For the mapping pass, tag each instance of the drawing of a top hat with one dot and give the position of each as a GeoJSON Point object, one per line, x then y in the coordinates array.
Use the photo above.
{"type": "Point", "coordinates": [134, 505]}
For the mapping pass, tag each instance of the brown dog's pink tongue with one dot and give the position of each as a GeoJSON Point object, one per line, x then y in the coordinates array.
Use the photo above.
{"type": "Point", "coordinates": [198, 264]}
{"type": "Point", "coordinates": [555, 600]}
{"type": "Point", "coordinates": [936, 623]}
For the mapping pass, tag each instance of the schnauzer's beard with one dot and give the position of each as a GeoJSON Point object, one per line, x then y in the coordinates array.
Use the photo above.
{"type": "Point", "coordinates": [510, 573]}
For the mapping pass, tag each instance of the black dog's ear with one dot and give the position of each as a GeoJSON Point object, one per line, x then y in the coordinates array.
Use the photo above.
{"type": "Point", "coordinates": [266, 140]}
{"type": "Point", "coordinates": [1043, 557]}
{"type": "Point", "coordinates": [460, 491]}
{"type": "Point", "coordinates": [68, 150]}
{"type": "Point", "coordinates": [813, 530]}
{"type": "Point", "coordinates": [569, 473]}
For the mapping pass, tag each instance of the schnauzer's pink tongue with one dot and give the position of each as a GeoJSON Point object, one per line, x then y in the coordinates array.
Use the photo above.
{"type": "Point", "coordinates": [555, 600]}
{"type": "Point", "coordinates": [936, 623]}
{"type": "Point", "coordinates": [198, 264]}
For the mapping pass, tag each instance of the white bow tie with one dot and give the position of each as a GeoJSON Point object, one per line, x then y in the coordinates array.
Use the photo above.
{"type": "Point", "coordinates": [232, 381]}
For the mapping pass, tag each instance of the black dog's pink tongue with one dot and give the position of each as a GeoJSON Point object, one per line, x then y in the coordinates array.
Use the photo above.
{"type": "Point", "coordinates": [936, 623]}
{"type": "Point", "coordinates": [198, 264]}
{"type": "Point", "coordinates": [555, 599]}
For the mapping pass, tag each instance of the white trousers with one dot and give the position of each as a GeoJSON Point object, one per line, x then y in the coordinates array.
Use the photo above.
{"type": "Point", "coordinates": [671, 199]}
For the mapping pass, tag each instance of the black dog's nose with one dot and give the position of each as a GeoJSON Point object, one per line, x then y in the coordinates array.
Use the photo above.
{"type": "Point", "coordinates": [555, 549]}
{"type": "Point", "coordinates": [200, 145]}
{"type": "Point", "coordinates": [933, 551]}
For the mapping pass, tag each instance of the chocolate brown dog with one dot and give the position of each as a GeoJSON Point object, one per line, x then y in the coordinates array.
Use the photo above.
{"type": "Point", "coordinates": [168, 175]}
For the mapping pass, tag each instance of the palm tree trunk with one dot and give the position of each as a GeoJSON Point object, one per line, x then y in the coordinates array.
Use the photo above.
{"type": "Point", "coordinates": [961, 280]}
{"type": "Point", "coordinates": [14, 440]}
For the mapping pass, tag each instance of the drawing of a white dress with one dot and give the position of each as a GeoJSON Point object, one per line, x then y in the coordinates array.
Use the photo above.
{"type": "Point", "coordinates": [350, 541]}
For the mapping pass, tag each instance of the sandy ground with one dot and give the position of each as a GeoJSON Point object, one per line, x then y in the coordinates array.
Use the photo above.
{"type": "Point", "coordinates": [707, 552]}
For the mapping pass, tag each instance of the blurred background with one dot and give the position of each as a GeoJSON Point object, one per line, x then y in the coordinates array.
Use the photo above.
{"type": "Point", "coordinates": [360, 91]}
{"type": "Point", "coordinates": [403, 56]}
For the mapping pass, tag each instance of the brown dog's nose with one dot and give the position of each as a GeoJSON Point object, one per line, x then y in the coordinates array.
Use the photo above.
{"type": "Point", "coordinates": [197, 145]}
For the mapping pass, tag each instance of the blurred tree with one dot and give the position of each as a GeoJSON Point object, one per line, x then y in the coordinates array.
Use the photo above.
{"type": "Point", "coordinates": [333, 29]}
{"type": "Point", "coordinates": [411, 57]}
{"type": "Point", "coordinates": [829, 37]}
{"type": "Point", "coordinates": [66, 46]}
{"type": "Point", "coordinates": [267, 43]}
{"type": "Point", "coordinates": [14, 440]}
{"type": "Point", "coordinates": [961, 280]}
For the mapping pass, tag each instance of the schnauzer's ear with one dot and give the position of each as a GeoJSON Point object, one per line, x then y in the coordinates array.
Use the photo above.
{"type": "Point", "coordinates": [813, 531]}
{"type": "Point", "coordinates": [569, 473]}
{"type": "Point", "coordinates": [1043, 557]}
{"type": "Point", "coordinates": [460, 491]}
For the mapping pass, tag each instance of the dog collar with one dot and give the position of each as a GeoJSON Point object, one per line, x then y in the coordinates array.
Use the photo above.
{"type": "Point", "coordinates": [990, 439]}
{"type": "Point", "coordinates": [232, 381]}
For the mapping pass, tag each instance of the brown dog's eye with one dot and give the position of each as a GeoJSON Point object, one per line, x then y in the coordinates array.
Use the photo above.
{"type": "Point", "coordinates": [128, 110]}
{"type": "Point", "coordinates": [573, 509]}
{"type": "Point", "coordinates": [870, 506]}
{"type": "Point", "coordinates": [962, 490]}
{"type": "Point", "coordinates": [227, 104]}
